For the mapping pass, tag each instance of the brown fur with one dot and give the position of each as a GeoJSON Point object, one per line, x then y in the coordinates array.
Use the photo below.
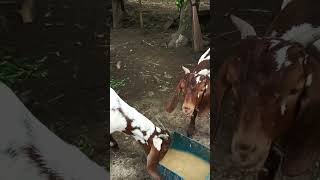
{"type": "Point", "coordinates": [190, 89]}
{"type": "Point", "coordinates": [154, 156]}
{"type": "Point", "coordinates": [254, 83]}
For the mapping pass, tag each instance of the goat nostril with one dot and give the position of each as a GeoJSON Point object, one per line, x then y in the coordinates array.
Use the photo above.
{"type": "Point", "coordinates": [245, 147]}
{"type": "Point", "coordinates": [243, 157]}
{"type": "Point", "coordinates": [186, 109]}
{"type": "Point", "coordinates": [254, 148]}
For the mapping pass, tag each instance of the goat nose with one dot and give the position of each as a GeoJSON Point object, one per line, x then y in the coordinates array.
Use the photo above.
{"type": "Point", "coordinates": [186, 109]}
{"type": "Point", "coordinates": [243, 157]}
{"type": "Point", "coordinates": [242, 147]}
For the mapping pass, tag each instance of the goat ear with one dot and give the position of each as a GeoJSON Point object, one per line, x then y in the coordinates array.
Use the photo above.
{"type": "Point", "coordinates": [226, 75]}
{"type": "Point", "coordinates": [174, 101]}
{"type": "Point", "coordinates": [311, 85]}
{"type": "Point", "coordinates": [186, 70]}
{"type": "Point", "coordinates": [302, 150]}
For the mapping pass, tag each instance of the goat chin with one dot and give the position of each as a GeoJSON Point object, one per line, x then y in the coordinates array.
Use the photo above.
{"type": "Point", "coordinates": [29, 150]}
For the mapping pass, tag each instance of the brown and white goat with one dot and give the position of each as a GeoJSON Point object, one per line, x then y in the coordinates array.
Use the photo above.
{"type": "Point", "coordinates": [195, 86]}
{"type": "Point", "coordinates": [124, 118]}
{"type": "Point", "coordinates": [28, 150]}
{"type": "Point", "coordinates": [276, 83]}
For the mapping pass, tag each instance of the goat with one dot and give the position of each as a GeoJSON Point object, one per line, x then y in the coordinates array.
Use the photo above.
{"type": "Point", "coordinates": [124, 118]}
{"type": "Point", "coordinates": [195, 86]}
{"type": "Point", "coordinates": [275, 81]}
{"type": "Point", "coordinates": [29, 150]}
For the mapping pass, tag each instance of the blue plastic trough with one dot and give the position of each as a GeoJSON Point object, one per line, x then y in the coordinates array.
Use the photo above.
{"type": "Point", "coordinates": [183, 143]}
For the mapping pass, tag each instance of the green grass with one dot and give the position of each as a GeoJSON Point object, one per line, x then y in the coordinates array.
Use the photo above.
{"type": "Point", "coordinates": [83, 142]}
{"type": "Point", "coordinates": [13, 71]}
{"type": "Point", "coordinates": [117, 84]}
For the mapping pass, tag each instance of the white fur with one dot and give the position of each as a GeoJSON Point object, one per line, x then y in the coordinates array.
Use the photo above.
{"type": "Point", "coordinates": [317, 44]}
{"type": "Point", "coordinates": [204, 72]}
{"type": "Point", "coordinates": [287, 63]}
{"type": "Point", "coordinates": [139, 121]}
{"type": "Point", "coordinates": [283, 107]}
{"type": "Point", "coordinates": [281, 57]}
{"type": "Point", "coordinates": [296, 31]}
{"type": "Point", "coordinates": [274, 43]}
{"type": "Point", "coordinates": [309, 80]}
{"type": "Point", "coordinates": [198, 79]}
{"type": "Point", "coordinates": [19, 128]}
{"type": "Point", "coordinates": [274, 34]}
{"type": "Point", "coordinates": [205, 56]}
{"type": "Point", "coordinates": [157, 142]}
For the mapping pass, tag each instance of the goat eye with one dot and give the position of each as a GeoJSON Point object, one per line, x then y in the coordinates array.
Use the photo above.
{"type": "Point", "coordinates": [293, 91]}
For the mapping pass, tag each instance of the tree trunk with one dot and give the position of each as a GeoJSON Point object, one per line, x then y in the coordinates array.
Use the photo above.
{"type": "Point", "coordinates": [184, 32]}
{"type": "Point", "coordinates": [118, 11]}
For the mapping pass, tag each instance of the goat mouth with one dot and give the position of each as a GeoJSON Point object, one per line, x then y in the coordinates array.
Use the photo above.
{"type": "Point", "coordinates": [251, 165]}
{"type": "Point", "coordinates": [188, 114]}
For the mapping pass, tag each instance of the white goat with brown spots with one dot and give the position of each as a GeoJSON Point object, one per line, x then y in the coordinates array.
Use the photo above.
{"type": "Point", "coordinates": [124, 118]}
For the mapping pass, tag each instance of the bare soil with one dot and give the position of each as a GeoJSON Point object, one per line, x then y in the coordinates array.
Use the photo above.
{"type": "Point", "coordinates": [150, 72]}
{"type": "Point", "coordinates": [68, 43]}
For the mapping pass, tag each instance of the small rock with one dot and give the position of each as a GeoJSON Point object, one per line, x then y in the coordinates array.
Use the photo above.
{"type": "Point", "coordinates": [172, 42]}
{"type": "Point", "coordinates": [163, 89]}
{"type": "Point", "coordinates": [150, 93]}
{"type": "Point", "coordinates": [181, 41]}
{"type": "Point", "coordinates": [118, 65]}
{"type": "Point", "coordinates": [168, 76]}
{"type": "Point", "coordinates": [156, 78]}
{"type": "Point", "coordinates": [112, 48]}
{"type": "Point", "coordinates": [79, 43]}
{"type": "Point", "coordinates": [164, 45]}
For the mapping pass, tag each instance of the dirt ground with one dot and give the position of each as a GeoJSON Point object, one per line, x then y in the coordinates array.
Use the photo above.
{"type": "Point", "coordinates": [149, 72]}
{"type": "Point", "coordinates": [56, 65]}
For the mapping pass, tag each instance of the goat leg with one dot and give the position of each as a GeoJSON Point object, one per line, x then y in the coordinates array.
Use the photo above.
{"type": "Point", "coordinates": [192, 125]}
{"type": "Point", "coordinates": [152, 163]}
{"type": "Point", "coordinates": [113, 143]}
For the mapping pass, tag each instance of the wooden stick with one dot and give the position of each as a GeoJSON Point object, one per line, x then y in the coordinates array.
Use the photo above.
{"type": "Point", "coordinates": [140, 12]}
{"type": "Point", "coordinates": [196, 30]}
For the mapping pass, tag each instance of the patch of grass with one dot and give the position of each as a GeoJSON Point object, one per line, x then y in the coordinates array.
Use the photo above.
{"type": "Point", "coordinates": [12, 72]}
{"type": "Point", "coordinates": [83, 143]}
{"type": "Point", "coordinates": [117, 84]}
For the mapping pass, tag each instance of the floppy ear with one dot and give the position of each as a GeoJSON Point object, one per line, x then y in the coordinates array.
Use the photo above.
{"type": "Point", "coordinates": [226, 74]}
{"type": "Point", "coordinates": [303, 141]}
{"type": "Point", "coordinates": [174, 100]}
{"type": "Point", "coordinates": [311, 85]}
